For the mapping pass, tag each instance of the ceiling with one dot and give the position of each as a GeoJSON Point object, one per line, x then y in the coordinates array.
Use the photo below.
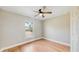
{"type": "Point", "coordinates": [28, 10]}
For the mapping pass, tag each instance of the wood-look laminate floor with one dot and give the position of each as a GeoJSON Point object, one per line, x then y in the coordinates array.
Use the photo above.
{"type": "Point", "coordinates": [40, 46]}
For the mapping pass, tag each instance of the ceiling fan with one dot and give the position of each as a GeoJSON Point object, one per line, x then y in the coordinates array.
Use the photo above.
{"type": "Point", "coordinates": [42, 12]}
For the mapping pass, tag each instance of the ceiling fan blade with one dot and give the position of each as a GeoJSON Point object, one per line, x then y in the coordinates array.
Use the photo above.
{"type": "Point", "coordinates": [47, 12]}
{"type": "Point", "coordinates": [36, 11]}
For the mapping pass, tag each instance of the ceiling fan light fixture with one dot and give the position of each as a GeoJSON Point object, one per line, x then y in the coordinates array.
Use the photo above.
{"type": "Point", "coordinates": [42, 12]}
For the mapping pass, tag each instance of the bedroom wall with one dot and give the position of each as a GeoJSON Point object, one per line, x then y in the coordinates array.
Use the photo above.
{"type": "Point", "coordinates": [58, 28]}
{"type": "Point", "coordinates": [0, 30]}
{"type": "Point", "coordinates": [75, 29]}
{"type": "Point", "coordinates": [13, 31]}
{"type": "Point", "coordinates": [37, 28]}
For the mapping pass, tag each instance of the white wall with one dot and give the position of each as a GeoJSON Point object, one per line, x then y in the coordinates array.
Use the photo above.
{"type": "Point", "coordinates": [0, 30]}
{"type": "Point", "coordinates": [75, 29]}
{"type": "Point", "coordinates": [13, 30]}
{"type": "Point", "coordinates": [58, 28]}
{"type": "Point", "coordinates": [37, 28]}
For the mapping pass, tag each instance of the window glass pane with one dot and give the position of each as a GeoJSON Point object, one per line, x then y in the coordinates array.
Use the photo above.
{"type": "Point", "coordinates": [28, 28]}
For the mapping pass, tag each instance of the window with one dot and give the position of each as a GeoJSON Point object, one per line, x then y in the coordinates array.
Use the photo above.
{"type": "Point", "coordinates": [28, 26]}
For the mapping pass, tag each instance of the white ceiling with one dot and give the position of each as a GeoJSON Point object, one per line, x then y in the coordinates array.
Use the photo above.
{"type": "Point", "coordinates": [28, 10]}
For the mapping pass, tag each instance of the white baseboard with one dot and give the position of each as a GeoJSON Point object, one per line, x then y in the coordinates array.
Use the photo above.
{"type": "Point", "coordinates": [58, 42]}
{"type": "Point", "coordinates": [2, 49]}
